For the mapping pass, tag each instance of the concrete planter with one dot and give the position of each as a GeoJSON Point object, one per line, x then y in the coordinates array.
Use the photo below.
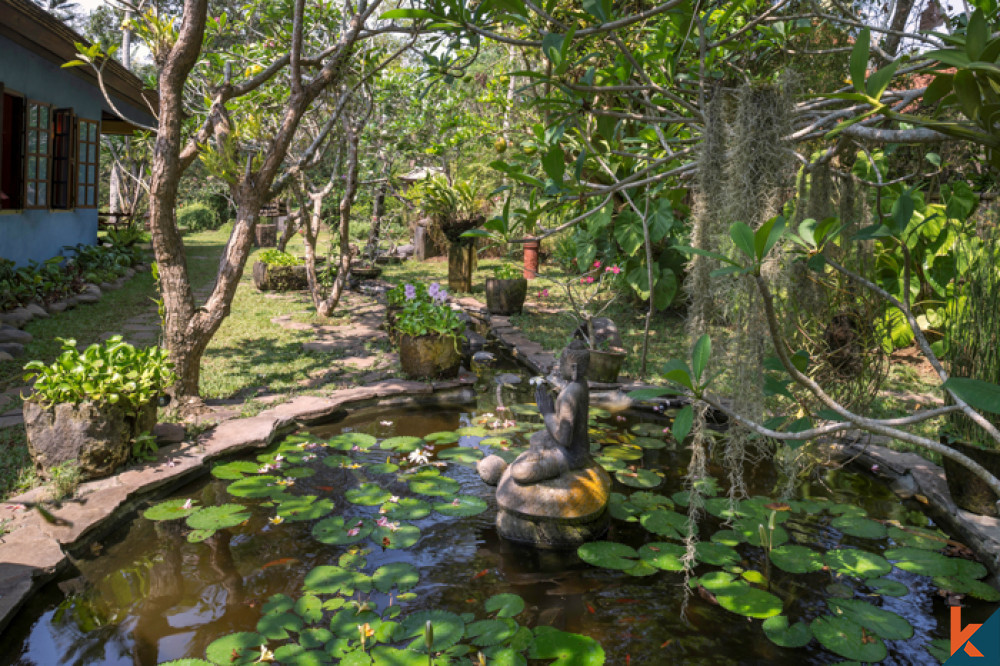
{"type": "Point", "coordinates": [605, 366]}
{"type": "Point", "coordinates": [432, 355]}
{"type": "Point", "coordinates": [505, 297]}
{"type": "Point", "coordinates": [97, 436]}
{"type": "Point", "coordinates": [279, 278]}
{"type": "Point", "coordinates": [967, 490]}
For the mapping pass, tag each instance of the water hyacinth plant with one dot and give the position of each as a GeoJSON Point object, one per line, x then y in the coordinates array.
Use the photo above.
{"type": "Point", "coordinates": [427, 312]}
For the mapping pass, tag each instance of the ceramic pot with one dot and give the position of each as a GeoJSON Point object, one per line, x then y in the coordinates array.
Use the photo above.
{"type": "Point", "coordinates": [605, 366]}
{"type": "Point", "coordinates": [505, 297]}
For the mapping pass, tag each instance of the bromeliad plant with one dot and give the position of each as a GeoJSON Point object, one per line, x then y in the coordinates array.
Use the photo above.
{"type": "Point", "coordinates": [428, 314]}
{"type": "Point", "coordinates": [507, 271]}
{"type": "Point", "coordinates": [112, 373]}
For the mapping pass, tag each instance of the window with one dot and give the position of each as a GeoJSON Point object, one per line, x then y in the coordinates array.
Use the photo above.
{"type": "Point", "coordinates": [86, 165]}
{"type": "Point", "coordinates": [36, 174]}
{"type": "Point", "coordinates": [12, 114]}
{"type": "Point", "coordinates": [63, 158]}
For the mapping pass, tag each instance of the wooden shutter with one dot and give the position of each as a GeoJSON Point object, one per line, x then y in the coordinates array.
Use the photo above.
{"type": "Point", "coordinates": [63, 145]}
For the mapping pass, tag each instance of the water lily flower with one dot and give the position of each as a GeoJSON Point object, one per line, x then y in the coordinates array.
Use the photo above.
{"type": "Point", "coordinates": [509, 424]}
{"type": "Point", "coordinates": [353, 532]}
{"type": "Point", "coordinates": [536, 381]}
{"type": "Point", "coordinates": [418, 456]}
{"type": "Point", "coordinates": [394, 499]}
{"type": "Point", "coordinates": [276, 520]}
{"type": "Point", "coordinates": [187, 504]}
{"type": "Point", "coordinates": [279, 458]}
{"type": "Point", "coordinates": [265, 655]}
{"type": "Point", "coordinates": [619, 418]}
{"type": "Point", "coordinates": [501, 408]}
{"type": "Point", "coordinates": [456, 502]}
{"type": "Point", "coordinates": [384, 522]}
{"type": "Point", "coordinates": [359, 523]}
{"type": "Point", "coordinates": [385, 423]}
{"type": "Point", "coordinates": [264, 469]}
{"type": "Point", "coordinates": [310, 445]}
{"type": "Point", "coordinates": [355, 448]}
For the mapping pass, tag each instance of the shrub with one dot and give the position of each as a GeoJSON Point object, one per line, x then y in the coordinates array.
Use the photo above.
{"type": "Point", "coordinates": [275, 257]}
{"type": "Point", "coordinates": [507, 271]}
{"type": "Point", "coordinates": [65, 479]}
{"type": "Point", "coordinates": [197, 217]}
{"type": "Point", "coordinates": [115, 372]}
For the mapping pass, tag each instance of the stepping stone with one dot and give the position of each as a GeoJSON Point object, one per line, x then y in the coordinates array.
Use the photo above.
{"type": "Point", "coordinates": [13, 348]}
{"type": "Point", "coordinates": [88, 298]}
{"type": "Point", "coordinates": [17, 317]}
{"type": "Point", "coordinates": [57, 307]}
{"type": "Point", "coordinates": [322, 347]}
{"type": "Point", "coordinates": [11, 334]}
{"type": "Point", "coordinates": [169, 433]}
{"type": "Point", "coordinates": [37, 310]}
{"type": "Point", "coordinates": [11, 421]}
{"type": "Point", "coordinates": [91, 289]}
{"type": "Point", "coordinates": [4, 356]}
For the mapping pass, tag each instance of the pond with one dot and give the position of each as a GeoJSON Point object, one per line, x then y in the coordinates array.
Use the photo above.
{"type": "Point", "coordinates": [339, 545]}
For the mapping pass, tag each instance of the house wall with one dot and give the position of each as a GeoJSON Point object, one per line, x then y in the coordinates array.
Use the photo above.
{"type": "Point", "coordinates": [40, 234]}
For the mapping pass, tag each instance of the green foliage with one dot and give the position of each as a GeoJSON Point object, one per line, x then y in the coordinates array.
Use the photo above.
{"type": "Point", "coordinates": [507, 271]}
{"type": "Point", "coordinates": [431, 315]}
{"type": "Point", "coordinates": [274, 257]}
{"type": "Point", "coordinates": [115, 372]}
{"type": "Point", "coordinates": [64, 479]}
{"type": "Point", "coordinates": [197, 217]}
{"type": "Point", "coordinates": [144, 447]}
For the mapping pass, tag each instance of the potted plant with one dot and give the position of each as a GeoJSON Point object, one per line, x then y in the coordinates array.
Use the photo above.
{"type": "Point", "coordinates": [455, 209]}
{"type": "Point", "coordinates": [506, 290]}
{"type": "Point", "coordinates": [275, 270]}
{"type": "Point", "coordinates": [429, 332]}
{"type": "Point", "coordinates": [589, 295]}
{"type": "Point", "coordinates": [89, 406]}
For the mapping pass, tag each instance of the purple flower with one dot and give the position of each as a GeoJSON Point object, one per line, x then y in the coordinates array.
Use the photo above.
{"type": "Point", "coordinates": [433, 290]}
{"type": "Point", "coordinates": [410, 292]}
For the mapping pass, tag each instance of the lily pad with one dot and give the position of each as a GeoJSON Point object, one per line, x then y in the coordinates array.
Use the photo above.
{"type": "Point", "coordinates": [239, 648]}
{"type": "Point", "coordinates": [443, 437]}
{"type": "Point", "coordinates": [461, 455]}
{"type": "Point", "coordinates": [218, 517]}
{"type": "Point", "coordinates": [487, 633]}
{"type": "Point", "coordinates": [888, 587]}
{"type": "Point", "coordinates": [650, 443]}
{"type": "Point", "coordinates": [922, 562]}
{"type": "Point", "coordinates": [963, 585]}
{"type": "Point", "coordinates": [348, 440]}
{"type": "Point", "coordinates": [367, 494]}
{"type": "Point", "coordinates": [403, 536]}
{"type": "Point", "coordinates": [566, 648]}
{"type": "Point", "coordinates": [883, 623]}
{"type": "Point", "coordinates": [293, 654]}
{"type": "Point", "coordinates": [279, 626]}
{"type": "Point", "coordinates": [796, 559]}
{"type": "Point", "coordinates": [716, 553]}
{"type": "Point", "coordinates": [844, 637]}
{"type": "Point", "coordinates": [304, 507]}
{"type": "Point", "coordinates": [255, 487]}
{"type": "Point", "coordinates": [858, 526]}
{"type": "Point", "coordinates": [197, 536]}
{"type": "Point", "coordinates": [447, 628]}
{"type": "Point", "coordinates": [438, 486]}
{"type": "Point", "coordinates": [338, 460]}
{"type": "Point", "coordinates": [331, 579]}
{"type": "Point", "coordinates": [403, 444]}
{"type": "Point", "coordinates": [915, 537]}
{"type": "Point", "coordinates": [622, 452]}
{"type": "Point", "coordinates": [740, 598]}
{"type": "Point", "coordinates": [968, 568]}
{"type": "Point", "coordinates": [473, 431]}
{"type": "Point", "coordinates": [309, 608]}
{"type": "Point", "coordinates": [641, 478]}
{"type": "Point", "coordinates": [785, 635]}
{"type": "Point", "coordinates": [171, 509]}
{"type": "Point", "coordinates": [335, 532]}
{"type": "Point", "coordinates": [663, 555]}
{"type": "Point", "coordinates": [665, 523]}
{"type": "Point", "coordinates": [237, 469]}
{"type": "Point", "coordinates": [382, 468]}
{"type": "Point", "coordinates": [728, 538]}
{"type": "Point", "coordinates": [504, 605]}
{"type": "Point", "coordinates": [407, 508]}
{"type": "Point", "coordinates": [402, 575]}
{"type": "Point", "coordinates": [648, 429]}
{"type": "Point", "coordinates": [859, 563]}
{"type": "Point", "coordinates": [462, 506]}
{"type": "Point", "coordinates": [608, 554]}
{"type": "Point", "coordinates": [611, 464]}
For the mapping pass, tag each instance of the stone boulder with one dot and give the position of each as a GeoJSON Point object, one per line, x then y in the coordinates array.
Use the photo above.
{"type": "Point", "coordinates": [97, 437]}
{"type": "Point", "coordinates": [17, 317]}
{"type": "Point", "coordinates": [15, 349]}
{"type": "Point", "coordinates": [11, 334]}
{"type": "Point", "coordinates": [37, 311]}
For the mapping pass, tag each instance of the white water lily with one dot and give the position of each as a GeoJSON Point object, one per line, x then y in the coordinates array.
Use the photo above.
{"type": "Point", "coordinates": [187, 504]}
{"type": "Point", "coordinates": [418, 456]}
{"type": "Point", "coordinates": [385, 423]}
{"type": "Point", "coordinates": [265, 655]}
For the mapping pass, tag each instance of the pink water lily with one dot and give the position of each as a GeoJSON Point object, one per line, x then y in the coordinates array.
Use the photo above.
{"type": "Point", "coordinates": [187, 505]}
{"type": "Point", "coordinates": [456, 502]}
{"type": "Point", "coordinates": [353, 532]}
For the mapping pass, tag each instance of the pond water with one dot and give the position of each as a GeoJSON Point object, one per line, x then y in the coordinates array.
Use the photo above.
{"type": "Point", "coordinates": [306, 573]}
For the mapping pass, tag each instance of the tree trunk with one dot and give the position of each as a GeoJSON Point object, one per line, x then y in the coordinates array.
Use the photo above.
{"type": "Point", "coordinates": [291, 224]}
{"type": "Point", "coordinates": [327, 307]}
{"type": "Point", "coordinates": [898, 23]}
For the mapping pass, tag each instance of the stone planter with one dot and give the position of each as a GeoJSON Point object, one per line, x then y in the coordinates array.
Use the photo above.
{"type": "Point", "coordinates": [365, 272]}
{"type": "Point", "coordinates": [266, 235]}
{"type": "Point", "coordinates": [429, 356]}
{"type": "Point", "coordinates": [279, 278]}
{"type": "Point", "coordinates": [605, 366]}
{"type": "Point", "coordinates": [967, 490]}
{"type": "Point", "coordinates": [505, 297]}
{"type": "Point", "coordinates": [461, 264]}
{"type": "Point", "coordinates": [98, 437]}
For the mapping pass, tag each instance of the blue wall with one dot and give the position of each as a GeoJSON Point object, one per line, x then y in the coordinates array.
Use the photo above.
{"type": "Point", "coordinates": [40, 234]}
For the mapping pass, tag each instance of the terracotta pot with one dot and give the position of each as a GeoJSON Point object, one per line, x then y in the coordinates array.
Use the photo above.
{"type": "Point", "coordinates": [605, 366]}
{"type": "Point", "coordinates": [531, 259]}
{"type": "Point", "coordinates": [279, 278]}
{"type": "Point", "coordinates": [967, 490]}
{"type": "Point", "coordinates": [429, 355]}
{"type": "Point", "coordinates": [505, 297]}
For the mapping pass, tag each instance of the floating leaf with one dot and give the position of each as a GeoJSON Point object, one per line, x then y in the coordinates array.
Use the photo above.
{"type": "Point", "coordinates": [878, 621]}
{"type": "Point", "coordinates": [461, 455]}
{"type": "Point", "coordinates": [439, 486]}
{"type": "Point", "coordinates": [716, 553]}
{"type": "Point", "coordinates": [170, 510]}
{"type": "Point", "coordinates": [857, 526]}
{"type": "Point", "coordinates": [335, 532]}
{"type": "Point", "coordinates": [487, 633]}
{"type": "Point", "coordinates": [279, 626]}
{"type": "Point", "coordinates": [963, 585]}
{"type": "Point", "coordinates": [648, 429]}
{"type": "Point", "coordinates": [922, 562]}
{"type": "Point", "coordinates": [256, 487]}
{"type": "Point", "coordinates": [367, 494]}
{"type": "Point", "coordinates": [859, 563]}
{"type": "Point", "coordinates": [748, 601]}
{"type": "Point", "coordinates": [448, 629]}
{"type": "Point", "coordinates": [567, 649]}
{"type": "Point", "coordinates": [728, 538]}
{"type": "Point", "coordinates": [403, 536]}
{"type": "Point", "coordinates": [331, 579]}
{"type": "Point", "coordinates": [840, 635]}
{"type": "Point", "coordinates": [888, 587]}
{"type": "Point", "coordinates": [914, 537]}
{"type": "Point", "coordinates": [239, 648]}
{"type": "Point", "coordinates": [390, 656]}
{"type": "Point", "coordinates": [622, 452]}
{"type": "Point", "coordinates": [407, 508]}
{"type": "Point", "coordinates": [197, 536]}
{"type": "Point", "coordinates": [611, 464]}
{"type": "Point", "coordinates": [796, 559]}
{"type": "Point", "coordinates": [665, 523]}
{"type": "Point", "coordinates": [338, 460]}
{"type": "Point", "coordinates": [650, 443]}
{"type": "Point", "coordinates": [662, 555]}
{"type": "Point", "coordinates": [403, 444]}
{"type": "Point", "coordinates": [968, 568]}
{"type": "Point", "coordinates": [348, 440]}
{"type": "Point", "coordinates": [236, 469]}
{"type": "Point", "coordinates": [382, 468]}
{"type": "Point", "coordinates": [443, 437]}
{"type": "Point", "coordinates": [504, 605]}
{"type": "Point", "coordinates": [218, 517]}
{"type": "Point", "coordinates": [278, 603]}
{"type": "Point", "coordinates": [462, 506]}
{"type": "Point", "coordinates": [642, 569]}
{"type": "Point", "coordinates": [608, 554]}
{"type": "Point", "coordinates": [309, 608]}
{"type": "Point", "coordinates": [403, 575]}
{"type": "Point", "coordinates": [641, 478]}
{"type": "Point", "coordinates": [188, 662]}
{"type": "Point", "coordinates": [789, 636]}
{"type": "Point", "coordinates": [473, 431]}
{"type": "Point", "coordinates": [305, 507]}
{"type": "Point", "coordinates": [345, 622]}
{"type": "Point", "coordinates": [297, 655]}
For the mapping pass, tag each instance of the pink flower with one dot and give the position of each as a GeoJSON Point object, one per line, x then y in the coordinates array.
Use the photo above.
{"type": "Point", "coordinates": [597, 264]}
{"type": "Point", "coordinates": [353, 532]}
{"type": "Point", "coordinates": [501, 408]}
{"type": "Point", "coordinates": [613, 269]}
{"type": "Point", "coordinates": [589, 279]}
{"type": "Point", "coordinates": [619, 418]}
{"type": "Point", "coordinates": [544, 293]}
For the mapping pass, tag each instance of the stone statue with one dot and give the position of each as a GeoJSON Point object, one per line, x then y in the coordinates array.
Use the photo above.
{"type": "Point", "coordinates": [554, 495]}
